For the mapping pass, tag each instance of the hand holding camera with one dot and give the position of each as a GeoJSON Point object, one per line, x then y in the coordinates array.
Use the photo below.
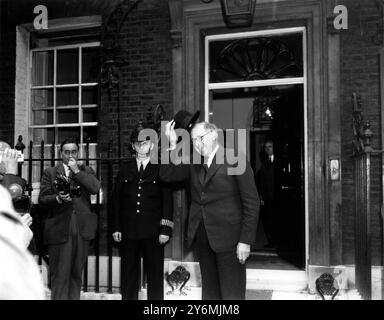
{"type": "Point", "coordinates": [64, 197]}
{"type": "Point", "coordinates": [67, 189]}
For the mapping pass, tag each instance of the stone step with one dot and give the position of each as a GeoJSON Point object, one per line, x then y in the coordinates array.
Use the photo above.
{"type": "Point", "coordinates": [195, 294]}
{"type": "Point", "coordinates": [281, 280]}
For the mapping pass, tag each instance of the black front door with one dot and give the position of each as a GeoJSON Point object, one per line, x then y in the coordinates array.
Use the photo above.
{"type": "Point", "coordinates": [281, 181]}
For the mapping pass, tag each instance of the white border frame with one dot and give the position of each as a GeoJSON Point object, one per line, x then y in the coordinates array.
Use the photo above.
{"type": "Point", "coordinates": [261, 83]}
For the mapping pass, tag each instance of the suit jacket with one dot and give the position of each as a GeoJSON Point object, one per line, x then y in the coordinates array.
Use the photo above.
{"type": "Point", "coordinates": [227, 204]}
{"type": "Point", "coordinates": [56, 226]}
{"type": "Point", "coordinates": [142, 205]}
{"type": "Point", "coordinates": [268, 180]}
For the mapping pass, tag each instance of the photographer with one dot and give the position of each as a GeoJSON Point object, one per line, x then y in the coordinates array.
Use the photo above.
{"type": "Point", "coordinates": [65, 190]}
{"type": "Point", "coordinates": [16, 187]}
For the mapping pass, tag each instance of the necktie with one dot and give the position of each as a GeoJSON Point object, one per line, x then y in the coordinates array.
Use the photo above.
{"type": "Point", "coordinates": [141, 171]}
{"type": "Point", "coordinates": [203, 172]}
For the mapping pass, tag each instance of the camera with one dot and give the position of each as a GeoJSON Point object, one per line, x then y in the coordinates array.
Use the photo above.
{"type": "Point", "coordinates": [22, 204]}
{"type": "Point", "coordinates": [63, 184]}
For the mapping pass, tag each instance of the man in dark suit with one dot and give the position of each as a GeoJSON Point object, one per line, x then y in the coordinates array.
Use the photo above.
{"type": "Point", "coordinates": [142, 221]}
{"type": "Point", "coordinates": [223, 213]}
{"type": "Point", "coordinates": [267, 181]}
{"type": "Point", "coordinates": [70, 224]}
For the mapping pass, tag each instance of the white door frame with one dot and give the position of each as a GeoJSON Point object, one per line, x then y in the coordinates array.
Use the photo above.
{"type": "Point", "coordinates": [262, 83]}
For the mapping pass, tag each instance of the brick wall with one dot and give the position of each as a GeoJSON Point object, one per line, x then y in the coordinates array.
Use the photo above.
{"type": "Point", "coordinates": [146, 80]}
{"type": "Point", "coordinates": [360, 74]}
{"type": "Point", "coordinates": [7, 76]}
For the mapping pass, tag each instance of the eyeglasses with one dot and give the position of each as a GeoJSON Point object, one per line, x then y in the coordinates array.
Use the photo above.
{"type": "Point", "coordinates": [70, 152]}
{"type": "Point", "coordinates": [139, 144]}
{"type": "Point", "coordinates": [200, 138]}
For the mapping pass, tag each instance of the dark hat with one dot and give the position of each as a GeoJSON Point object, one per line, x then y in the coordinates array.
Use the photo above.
{"type": "Point", "coordinates": [185, 120]}
{"type": "Point", "coordinates": [136, 130]}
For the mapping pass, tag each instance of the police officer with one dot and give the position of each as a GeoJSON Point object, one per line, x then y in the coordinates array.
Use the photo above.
{"type": "Point", "coordinates": [142, 219]}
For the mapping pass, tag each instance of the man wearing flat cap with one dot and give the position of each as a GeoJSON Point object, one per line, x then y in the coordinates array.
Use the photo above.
{"type": "Point", "coordinates": [142, 219]}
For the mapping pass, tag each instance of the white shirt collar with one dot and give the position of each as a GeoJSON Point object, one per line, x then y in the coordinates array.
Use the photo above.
{"type": "Point", "coordinates": [66, 169]}
{"type": "Point", "coordinates": [145, 162]}
{"type": "Point", "coordinates": [271, 157]}
{"type": "Point", "coordinates": [211, 156]}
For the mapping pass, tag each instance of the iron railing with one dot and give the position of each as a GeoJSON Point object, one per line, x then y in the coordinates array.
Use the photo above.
{"type": "Point", "coordinates": [363, 154]}
{"type": "Point", "coordinates": [103, 169]}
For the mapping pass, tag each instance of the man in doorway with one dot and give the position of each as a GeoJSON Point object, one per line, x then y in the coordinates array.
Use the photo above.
{"type": "Point", "coordinates": [142, 219]}
{"type": "Point", "coordinates": [223, 213]}
{"type": "Point", "coordinates": [266, 181]}
{"type": "Point", "coordinates": [70, 224]}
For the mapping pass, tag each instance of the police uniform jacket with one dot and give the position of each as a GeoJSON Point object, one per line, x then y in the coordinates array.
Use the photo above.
{"type": "Point", "coordinates": [142, 204]}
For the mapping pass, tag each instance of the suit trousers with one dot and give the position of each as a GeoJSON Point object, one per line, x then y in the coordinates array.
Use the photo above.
{"type": "Point", "coordinates": [153, 261]}
{"type": "Point", "coordinates": [223, 276]}
{"type": "Point", "coordinates": [66, 263]}
{"type": "Point", "coordinates": [268, 216]}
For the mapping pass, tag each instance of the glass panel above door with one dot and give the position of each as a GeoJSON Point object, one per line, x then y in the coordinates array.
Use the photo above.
{"type": "Point", "coordinates": [256, 58]}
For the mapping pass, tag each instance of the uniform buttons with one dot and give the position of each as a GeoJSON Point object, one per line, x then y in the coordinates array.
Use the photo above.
{"type": "Point", "coordinates": [139, 195]}
{"type": "Point", "coordinates": [141, 180]}
{"type": "Point", "coordinates": [139, 188]}
{"type": "Point", "coordinates": [138, 211]}
{"type": "Point", "coordinates": [138, 203]}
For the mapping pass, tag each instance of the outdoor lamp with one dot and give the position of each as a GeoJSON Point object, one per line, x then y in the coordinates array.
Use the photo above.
{"type": "Point", "coordinates": [238, 13]}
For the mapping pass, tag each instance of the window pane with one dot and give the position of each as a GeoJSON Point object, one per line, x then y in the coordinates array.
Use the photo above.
{"type": "Point", "coordinates": [42, 98]}
{"type": "Point", "coordinates": [89, 65]}
{"type": "Point", "coordinates": [43, 134]}
{"type": "Point", "coordinates": [257, 58]}
{"type": "Point", "coordinates": [42, 64]}
{"type": "Point", "coordinates": [67, 116]}
{"type": "Point", "coordinates": [90, 132]}
{"type": "Point", "coordinates": [89, 95]}
{"type": "Point", "coordinates": [65, 133]}
{"type": "Point", "coordinates": [67, 96]}
{"type": "Point", "coordinates": [90, 114]}
{"type": "Point", "coordinates": [67, 66]}
{"type": "Point", "coordinates": [41, 117]}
